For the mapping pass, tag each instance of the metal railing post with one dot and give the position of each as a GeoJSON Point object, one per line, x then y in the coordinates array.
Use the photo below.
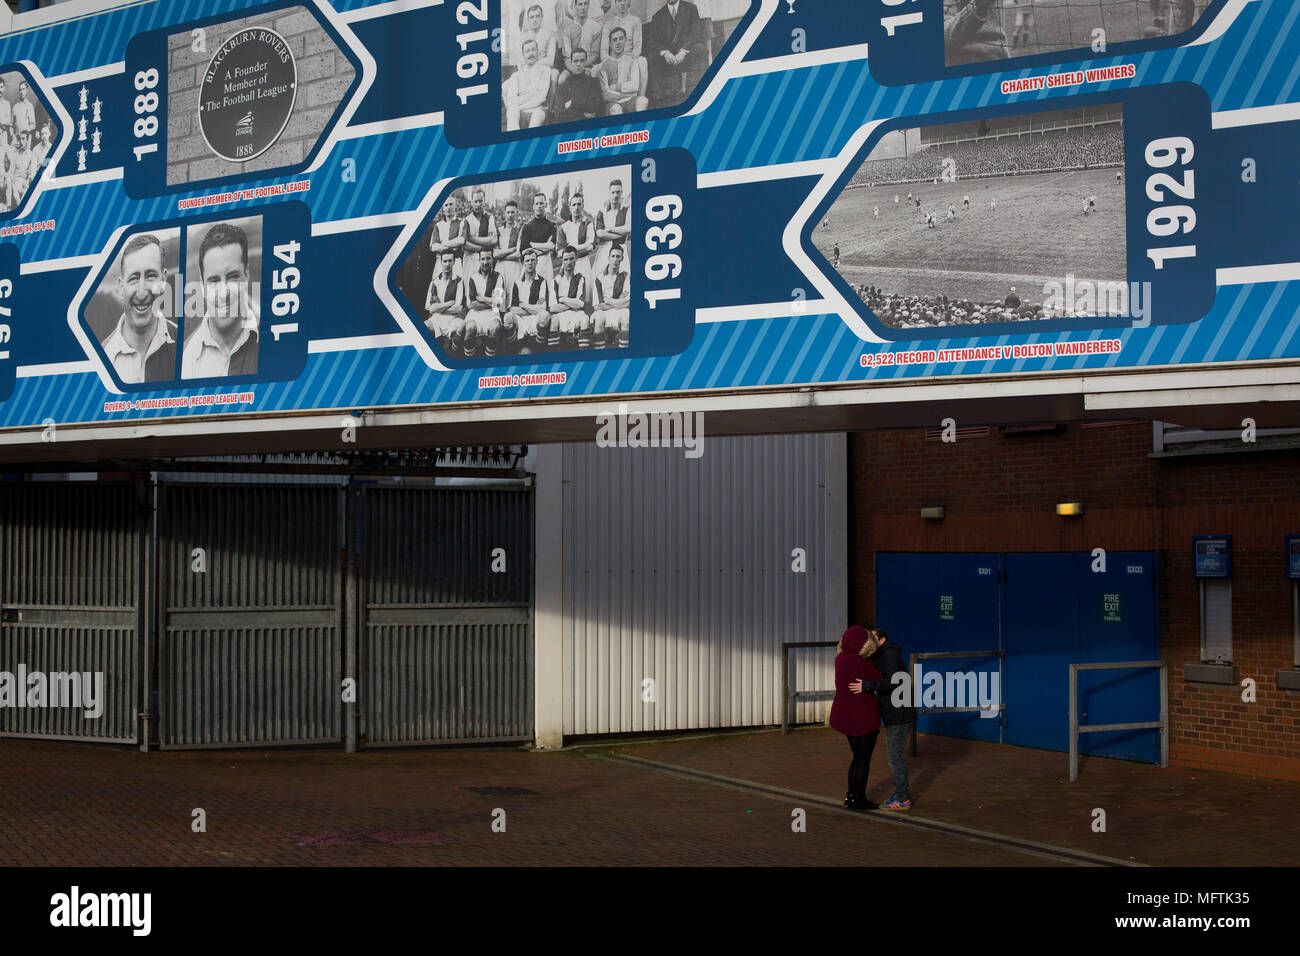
{"type": "Point", "coordinates": [1162, 724]}
{"type": "Point", "coordinates": [1074, 722]}
{"type": "Point", "coordinates": [351, 618]}
{"type": "Point", "coordinates": [1164, 714]}
{"type": "Point", "coordinates": [144, 613]}
{"type": "Point", "coordinates": [785, 689]}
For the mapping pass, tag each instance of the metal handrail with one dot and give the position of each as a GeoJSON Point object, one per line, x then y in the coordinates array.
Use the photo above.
{"type": "Point", "coordinates": [931, 655]}
{"type": "Point", "coordinates": [1076, 728]}
{"type": "Point", "coordinates": [788, 699]}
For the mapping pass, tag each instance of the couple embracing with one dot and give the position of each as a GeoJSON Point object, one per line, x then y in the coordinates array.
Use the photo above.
{"type": "Point", "coordinates": [864, 667]}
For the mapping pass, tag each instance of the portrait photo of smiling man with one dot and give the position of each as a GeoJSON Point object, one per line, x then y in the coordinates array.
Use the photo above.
{"type": "Point", "coordinates": [221, 324]}
{"type": "Point", "coordinates": [141, 344]}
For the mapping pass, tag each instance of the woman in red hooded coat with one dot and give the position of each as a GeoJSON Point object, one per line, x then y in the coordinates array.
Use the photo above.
{"type": "Point", "coordinates": [857, 716]}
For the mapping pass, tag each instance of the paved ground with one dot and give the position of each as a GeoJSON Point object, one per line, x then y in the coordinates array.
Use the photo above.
{"type": "Point", "coordinates": [658, 803]}
{"type": "Point", "coordinates": [1153, 816]}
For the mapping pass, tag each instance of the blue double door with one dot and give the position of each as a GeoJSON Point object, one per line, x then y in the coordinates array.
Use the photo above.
{"type": "Point", "coordinates": [1044, 612]}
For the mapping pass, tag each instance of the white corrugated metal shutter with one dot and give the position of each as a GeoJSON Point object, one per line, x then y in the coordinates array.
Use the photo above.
{"type": "Point", "coordinates": [678, 571]}
{"type": "Point", "coordinates": [1216, 620]}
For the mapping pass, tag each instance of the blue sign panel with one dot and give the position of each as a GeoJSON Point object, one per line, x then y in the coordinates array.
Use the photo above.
{"type": "Point", "coordinates": [1212, 555]}
{"type": "Point", "coordinates": [1293, 556]}
{"type": "Point", "coordinates": [216, 207]}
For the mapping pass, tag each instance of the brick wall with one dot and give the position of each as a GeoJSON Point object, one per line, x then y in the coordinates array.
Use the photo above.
{"type": "Point", "coordinates": [999, 493]}
{"type": "Point", "coordinates": [324, 75]}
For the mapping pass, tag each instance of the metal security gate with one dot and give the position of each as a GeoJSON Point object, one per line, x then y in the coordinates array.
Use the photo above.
{"type": "Point", "coordinates": [72, 580]}
{"type": "Point", "coordinates": [445, 584]}
{"type": "Point", "coordinates": [250, 580]}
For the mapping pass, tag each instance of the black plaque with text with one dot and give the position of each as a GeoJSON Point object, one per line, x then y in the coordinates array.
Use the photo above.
{"type": "Point", "coordinates": [247, 94]}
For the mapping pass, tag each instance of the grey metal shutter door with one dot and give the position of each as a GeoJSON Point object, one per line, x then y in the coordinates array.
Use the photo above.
{"type": "Point", "coordinates": [251, 648]}
{"type": "Point", "coordinates": [679, 571]}
{"type": "Point", "coordinates": [447, 643]}
{"type": "Point", "coordinates": [72, 557]}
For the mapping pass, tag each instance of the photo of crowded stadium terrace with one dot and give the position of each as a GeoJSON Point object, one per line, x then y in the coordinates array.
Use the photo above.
{"type": "Point", "coordinates": [970, 223]}
{"type": "Point", "coordinates": [978, 31]}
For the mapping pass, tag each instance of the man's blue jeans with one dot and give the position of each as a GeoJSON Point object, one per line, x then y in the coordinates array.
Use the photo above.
{"type": "Point", "coordinates": [896, 749]}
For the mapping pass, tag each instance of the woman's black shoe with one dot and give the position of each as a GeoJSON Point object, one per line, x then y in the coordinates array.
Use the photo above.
{"type": "Point", "coordinates": [859, 803]}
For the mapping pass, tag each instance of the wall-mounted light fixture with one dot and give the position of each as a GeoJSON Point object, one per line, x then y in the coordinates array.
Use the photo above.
{"type": "Point", "coordinates": [936, 512]}
{"type": "Point", "coordinates": [1069, 509]}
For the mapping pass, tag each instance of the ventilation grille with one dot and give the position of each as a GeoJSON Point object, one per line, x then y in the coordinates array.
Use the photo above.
{"type": "Point", "coordinates": [963, 433]}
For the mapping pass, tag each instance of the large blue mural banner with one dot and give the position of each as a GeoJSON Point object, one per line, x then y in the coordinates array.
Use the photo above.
{"type": "Point", "coordinates": [226, 208]}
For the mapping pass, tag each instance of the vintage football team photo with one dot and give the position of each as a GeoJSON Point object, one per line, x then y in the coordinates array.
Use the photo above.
{"type": "Point", "coordinates": [27, 135]}
{"type": "Point", "coordinates": [1012, 219]}
{"type": "Point", "coordinates": [527, 266]}
{"type": "Point", "coordinates": [979, 31]}
{"type": "Point", "coordinates": [568, 60]}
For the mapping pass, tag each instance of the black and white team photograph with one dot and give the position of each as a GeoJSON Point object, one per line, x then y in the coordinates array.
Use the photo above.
{"type": "Point", "coordinates": [527, 266]}
{"type": "Point", "coordinates": [563, 61]}
{"type": "Point", "coordinates": [984, 222]}
{"type": "Point", "coordinates": [27, 136]}
{"type": "Point", "coordinates": [977, 31]}
{"type": "Point", "coordinates": [224, 262]}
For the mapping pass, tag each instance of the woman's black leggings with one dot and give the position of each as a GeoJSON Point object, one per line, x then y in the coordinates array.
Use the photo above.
{"type": "Point", "coordinates": [862, 748]}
